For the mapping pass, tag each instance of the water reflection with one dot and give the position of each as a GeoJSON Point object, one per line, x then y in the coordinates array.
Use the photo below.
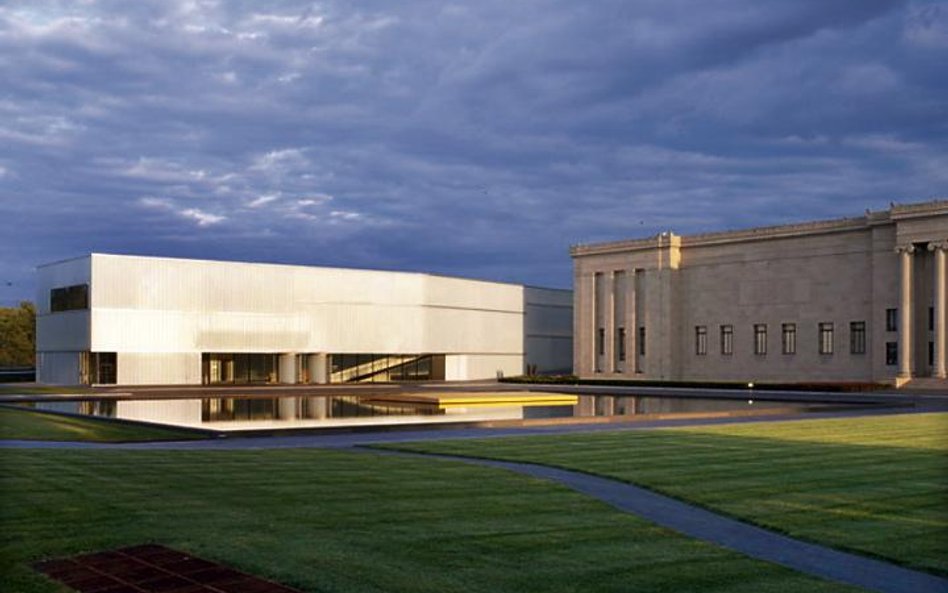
{"type": "Point", "coordinates": [249, 413]}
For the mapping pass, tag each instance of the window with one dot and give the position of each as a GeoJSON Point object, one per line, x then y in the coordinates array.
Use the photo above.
{"type": "Point", "coordinates": [857, 337]}
{"type": "Point", "coordinates": [620, 344]}
{"type": "Point", "coordinates": [931, 319]}
{"type": "Point", "coordinates": [789, 338]}
{"type": "Point", "coordinates": [601, 341]}
{"type": "Point", "coordinates": [701, 340]}
{"type": "Point", "coordinates": [931, 354]}
{"type": "Point", "coordinates": [98, 368]}
{"type": "Point", "coordinates": [891, 320]}
{"type": "Point", "coordinates": [727, 339]}
{"type": "Point", "coordinates": [892, 353]}
{"type": "Point", "coordinates": [826, 338]}
{"type": "Point", "coordinates": [69, 298]}
{"type": "Point", "coordinates": [642, 341]}
{"type": "Point", "coordinates": [760, 338]}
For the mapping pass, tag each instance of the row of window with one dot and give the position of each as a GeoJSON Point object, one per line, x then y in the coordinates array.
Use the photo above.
{"type": "Point", "coordinates": [788, 338]}
{"type": "Point", "coordinates": [892, 319]}
{"type": "Point", "coordinates": [620, 342]}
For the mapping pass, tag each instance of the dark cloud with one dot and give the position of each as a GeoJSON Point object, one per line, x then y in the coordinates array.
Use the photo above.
{"type": "Point", "coordinates": [476, 139]}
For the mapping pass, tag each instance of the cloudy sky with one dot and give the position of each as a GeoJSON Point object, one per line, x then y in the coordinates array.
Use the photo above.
{"type": "Point", "coordinates": [473, 138]}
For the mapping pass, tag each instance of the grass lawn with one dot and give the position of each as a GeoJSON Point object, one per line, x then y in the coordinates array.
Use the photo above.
{"type": "Point", "coordinates": [16, 423]}
{"type": "Point", "coordinates": [347, 521]}
{"type": "Point", "coordinates": [878, 485]}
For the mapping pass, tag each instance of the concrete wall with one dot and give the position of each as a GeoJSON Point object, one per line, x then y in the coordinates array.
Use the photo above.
{"type": "Point", "coordinates": [60, 336]}
{"type": "Point", "coordinates": [548, 329]}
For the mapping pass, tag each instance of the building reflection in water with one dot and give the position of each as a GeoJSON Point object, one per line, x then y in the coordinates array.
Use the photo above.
{"type": "Point", "coordinates": [271, 413]}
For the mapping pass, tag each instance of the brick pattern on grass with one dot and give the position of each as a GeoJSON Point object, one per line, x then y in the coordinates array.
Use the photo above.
{"type": "Point", "coordinates": [152, 568]}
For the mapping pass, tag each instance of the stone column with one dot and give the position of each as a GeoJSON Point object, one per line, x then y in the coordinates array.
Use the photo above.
{"type": "Point", "coordinates": [609, 322]}
{"type": "Point", "coordinates": [905, 312]}
{"type": "Point", "coordinates": [939, 305]}
{"type": "Point", "coordinates": [287, 370]}
{"type": "Point", "coordinates": [318, 368]}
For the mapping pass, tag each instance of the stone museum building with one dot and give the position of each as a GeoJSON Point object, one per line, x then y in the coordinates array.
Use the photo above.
{"type": "Point", "coordinates": [856, 299]}
{"type": "Point", "coordinates": [128, 320]}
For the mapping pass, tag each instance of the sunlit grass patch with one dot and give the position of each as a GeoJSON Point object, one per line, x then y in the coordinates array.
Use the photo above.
{"type": "Point", "coordinates": [877, 485]}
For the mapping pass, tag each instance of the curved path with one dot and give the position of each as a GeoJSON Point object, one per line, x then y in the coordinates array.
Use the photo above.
{"type": "Point", "coordinates": [813, 559]}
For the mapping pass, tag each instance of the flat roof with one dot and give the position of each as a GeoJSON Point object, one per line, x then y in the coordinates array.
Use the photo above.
{"type": "Point", "coordinates": [890, 216]}
{"type": "Point", "coordinates": [298, 266]}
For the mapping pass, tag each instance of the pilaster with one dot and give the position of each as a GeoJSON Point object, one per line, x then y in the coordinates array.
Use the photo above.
{"type": "Point", "coordinates": [939, 306]}
{"type": "Point", "coordinates": [905, 312]}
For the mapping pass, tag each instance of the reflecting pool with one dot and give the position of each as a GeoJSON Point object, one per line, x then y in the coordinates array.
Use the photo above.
{"type": "Point", "coordinates": [336, 411]}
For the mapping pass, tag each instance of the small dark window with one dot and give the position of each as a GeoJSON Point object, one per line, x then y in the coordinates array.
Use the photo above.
{"type": "Point", "coordinates": [826, 338]}
{"type": "Point", "coordinates": [69, 298]}
{"type": "Point", "coordinates": [892, 353]}
{"type": "Point", "coordinates": [931, 354]}
{"type": "Point", "coordinates": [701, 340]}
{"type": "Point", "coordinates": [789, 338]}
{"type": "Point", "coordinates": [727, 339]}
{"type": "Point", "coordinates": [931, 319]}
{"type": "Point", "coordinates": [891, 320]}
{"type": "Point", "coordinates": [857, 337]}
{"type": "Point", "coordinates": [620, 343]}
{"type": "Point", "coordinates": [98, 368]}
{"type": "Point", "coordinates": [760, 339]}
{"type": "Point", "coordinates": [642, 341]}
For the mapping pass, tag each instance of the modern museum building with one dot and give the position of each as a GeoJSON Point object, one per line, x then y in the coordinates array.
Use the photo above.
{"type": "Point", "coordinates": [130, 320]}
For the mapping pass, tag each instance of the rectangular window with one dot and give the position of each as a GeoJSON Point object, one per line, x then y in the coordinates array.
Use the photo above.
{"type": "Point", "coordinates": [892, 353]}
{"type": "Point", "coordinates": [826, 338]}
{"type": "Point", "coordinates": [727, 339]}
{"type": "Point", "coordinates": [931, 319]}
{"type": "Point", "coordinates": [601, 341]}
{"type": "Point", "coordinates": [891, 320]}
{"type": "Point", "coordinates": [857, 337]}
{"type": "Point", "coordinates": [931, 354]}
{"type": "Point", "coordinates": [760, 338]}
{"type": "Point", "coordinates": [642, 341]}
{"type": "Point", "coordinates": [620, 344]}
{"type": "Point", "coordinates": [701, 340]}
{"type": "Point", "coordinates": [98, 368]}
{"type": "Point", "coordinates": [789, 338]}
{"type": "Point", "coordinates": [69, 298]}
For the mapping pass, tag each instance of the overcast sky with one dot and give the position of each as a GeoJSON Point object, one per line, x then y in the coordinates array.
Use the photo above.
{"type": "Point", "coordinates": [477, 139]}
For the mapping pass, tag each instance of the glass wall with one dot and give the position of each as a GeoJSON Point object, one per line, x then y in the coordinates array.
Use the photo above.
{"type": "Point", "coordinates": [69, 298]}
{"type": "Point", "coordinates": [380, 368]}
{"type": "Point", "coordinates": [98, 368]}
{"type": "Point", "coordinates": [238, 369]}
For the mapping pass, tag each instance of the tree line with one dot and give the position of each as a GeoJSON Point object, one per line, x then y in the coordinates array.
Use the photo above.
{"type": "Point", "coordinates": [18, 335]}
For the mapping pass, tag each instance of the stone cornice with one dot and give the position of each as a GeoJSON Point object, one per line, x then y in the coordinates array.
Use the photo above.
{"type": "Point", "coordinates": [840, 225]}
{"type": "Point", "coordinates": [931, 208]}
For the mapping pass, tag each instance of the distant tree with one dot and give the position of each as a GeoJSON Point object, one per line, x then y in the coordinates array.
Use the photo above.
{"type": "Point", "coordinates": [18, 335]}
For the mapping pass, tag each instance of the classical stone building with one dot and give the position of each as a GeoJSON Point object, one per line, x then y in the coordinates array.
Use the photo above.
{"type": "Point", "coordinates": [856, 299]}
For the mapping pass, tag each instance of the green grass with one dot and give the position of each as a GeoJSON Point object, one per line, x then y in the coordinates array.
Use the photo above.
{"type": "Point", "coordinates": [23, 424]}
{"type": "Point", "coordinates": [354, 522]}
{"type": "Point", "coordinates": [877, 485]}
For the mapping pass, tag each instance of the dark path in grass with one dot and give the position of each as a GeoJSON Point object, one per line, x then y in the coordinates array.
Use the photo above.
{"type": "Point", "coordinates": [813, 559]}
